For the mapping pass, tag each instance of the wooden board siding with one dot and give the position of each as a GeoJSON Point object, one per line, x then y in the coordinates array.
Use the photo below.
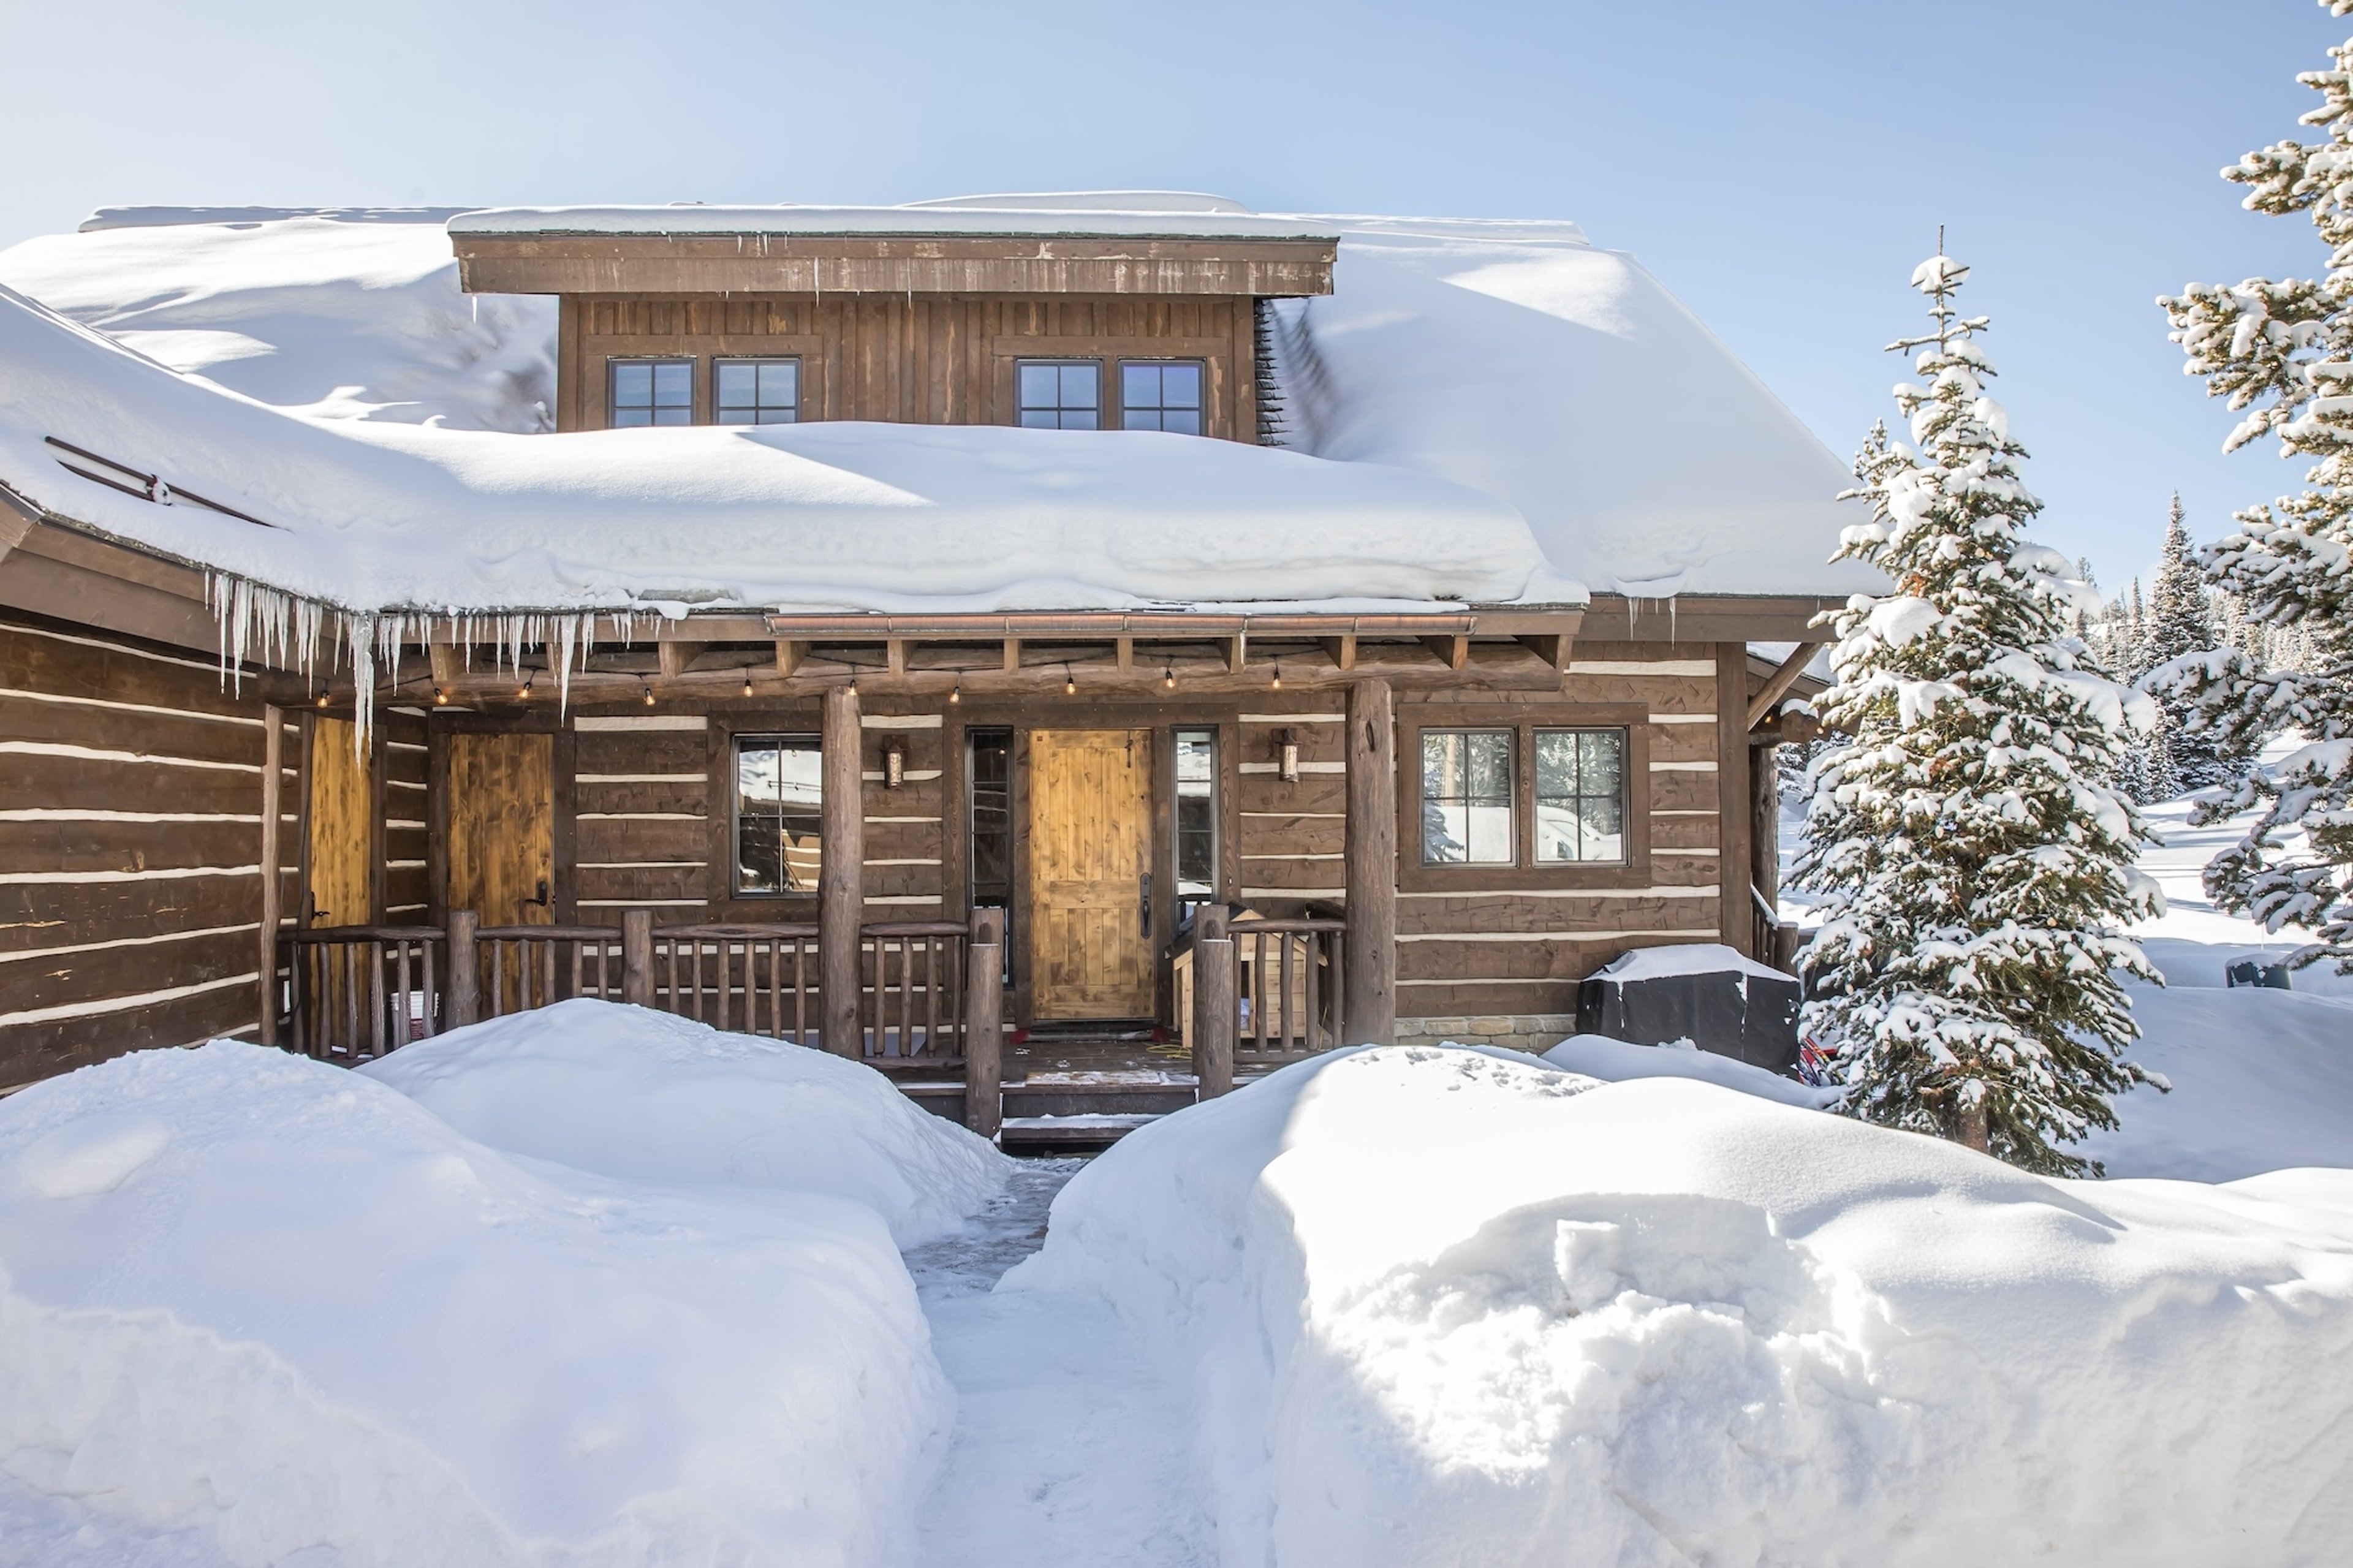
{"type": "Point", "coordinates": [1514, 944]}
{"type": "Point", "coordinates": [405, 892]}
{"type": "Point", "coordinates": [1290, 837]}
{"type": "Point", "coordinates": [129, 844]}
{"type": "Point", "coordinates": [926, 360]}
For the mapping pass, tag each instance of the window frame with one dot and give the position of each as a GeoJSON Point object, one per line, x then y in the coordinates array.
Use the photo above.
{"type": "Point", "coordinates": [731, 764]}
{"type": "Point", "coordinates": [1216, 814]}
{"type": "Point", "coordinates": [1096, 361]}
{"type": "Point", "coordinates": [800, 388]}
{"type": "Point", "coordinates": [1524, 871]}
{"type": "Point", "coordinates": [613, 364]}
{"type": "Point", "coordinates": [1119, 376]}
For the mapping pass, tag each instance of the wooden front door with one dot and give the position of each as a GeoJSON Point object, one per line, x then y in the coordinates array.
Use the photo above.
{"type": "Point", "coordinates": [339, 816]}
{"type": "Point", "coordinates": [1090, 863]}
{"type": "Point", "coordinates": [503, 827]}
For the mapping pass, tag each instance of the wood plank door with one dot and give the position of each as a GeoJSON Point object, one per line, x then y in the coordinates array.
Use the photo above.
{"type": "Point", "coordinates": [339, 817]}
{"type": "Point", "coordinates": [1089, 798]}
{"type": "Point", "coordinates": [503, 827]}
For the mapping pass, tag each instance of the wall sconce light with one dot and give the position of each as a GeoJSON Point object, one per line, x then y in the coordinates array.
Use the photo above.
{"type": "Point", "coordinates": [894, 762]}
{"type": "Point", "coordinates": [1286, 746]}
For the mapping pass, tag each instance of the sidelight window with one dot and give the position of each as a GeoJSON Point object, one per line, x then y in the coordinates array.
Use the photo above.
{"type": "Point", "coordinates": [651, 392]}
{"type": "Point", "coordinates": [1466, 797]}
{"type": "Point", "coordinates": [1196, 813]}
{"type": "Point", "coordinates": [779, 781]}
{"type": "Point", "coordinates": [1160, 395]}
{"type": "Point", "coordinates": [1060, 395]}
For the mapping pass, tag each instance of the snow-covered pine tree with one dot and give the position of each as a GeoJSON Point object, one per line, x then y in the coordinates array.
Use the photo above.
{"type": "Point", "coordinates": [2130, 660]}
{"type": "Point", "coordinates": [1976, 862]}
{"type": "Point", "coordinates": [2186, 755]}
{"type": "Point", "coordinates": [2281, 351]}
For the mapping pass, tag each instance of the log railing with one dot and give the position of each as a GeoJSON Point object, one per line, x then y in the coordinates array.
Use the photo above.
{"type": "Point", "coordinates": [1292, 987]}
{"type": "Point", "coordinates": [914, 977]}
{"type": "Point", "coordinates": [361, 991]}
{"type": "Point", "coordinates": [752, 979]}
{"type": "Point", "coordinates": [522, 967]}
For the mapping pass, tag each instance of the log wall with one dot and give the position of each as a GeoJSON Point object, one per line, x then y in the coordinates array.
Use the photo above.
{"type": "Point", "coordinates": [130, 849]}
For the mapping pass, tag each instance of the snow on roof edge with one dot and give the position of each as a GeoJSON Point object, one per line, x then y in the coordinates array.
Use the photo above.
{"type": "Point", "coordinates": [941, 221]}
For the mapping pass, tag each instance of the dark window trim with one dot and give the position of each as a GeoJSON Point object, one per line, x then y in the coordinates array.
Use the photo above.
{"type": "Point", "coordinates": [730, 756]}
{"type": "Point", "coordinates": [1119, 378]}
{"type": "Point", "coordinates": [1217, 812]}
{"type": "Point", "coordinates": [1097, 361]}
{"type": "Point", "coordinates": [1525, 719]}
{"type": "Point", "coordinates": [800, 385]}
{"type": "Point", "coordinates": [693, 388]}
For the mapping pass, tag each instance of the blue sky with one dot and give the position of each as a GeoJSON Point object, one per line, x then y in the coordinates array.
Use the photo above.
{"type": "Point", "coordinates": [1781, 167]}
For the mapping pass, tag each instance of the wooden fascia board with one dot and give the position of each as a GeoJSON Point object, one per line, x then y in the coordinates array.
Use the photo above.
{"type": "Point", "coordinates": [1706, 618]}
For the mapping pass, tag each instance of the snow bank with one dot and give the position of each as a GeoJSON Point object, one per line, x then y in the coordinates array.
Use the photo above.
{"type": "Point", "coordinates": [354, 313]}
{"type": "Point", "coordinates": [1616, 1061]}
{"type": "Point", "coordinates": [281, 1309]}
{"type": "Point", "coordinates": [646, 1097]}
{"type": "Point", "coordinates": [1519, 359]}
{"type": "Point", "coordinates": [1455, 1307]}
{"type": "Point", "coordinates": [840, 514]}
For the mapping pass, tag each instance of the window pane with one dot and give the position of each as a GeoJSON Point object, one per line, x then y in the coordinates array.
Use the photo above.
{"type": "Point", "coordinates": [1196, 813]}
{"type": "Point", "coordinates": [1183, 421]}
{"type": "Point", "coordinates": [673, 415]}
{"type": "Point", "coordinates": [739, 383]}
{"type": "Point", "coordinates": [627, 418]}
{"type": "Point", "coordinates": [1580, 794]}
{"type": "Point", "coordinates": [1078, 386]}
{"type": "Point", "coordinates": [778, 814]}
{"type": "Point", "coordinates": [1038, 386]}
{"type": "Point", "coordinates": [1466, 793]}
{"type": "Point", "coordinates": [1180, 386]}
{"type": "Point", "coordinates": [780, 382]}
{"type": "Point", "coordinates": [673, 383]}
{"type": "Point", "coordinates": [633, 384]}
{"type": "Point", "coordinates": [1139, 385]}
{"type": "Point", "coordinates": [1041, 419]}
{"type": "Point", "coordinates": [1077, 418]}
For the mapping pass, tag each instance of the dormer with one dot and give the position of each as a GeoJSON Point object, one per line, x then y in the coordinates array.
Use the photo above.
{"type": "Point", "coordinates": [1130, 311]}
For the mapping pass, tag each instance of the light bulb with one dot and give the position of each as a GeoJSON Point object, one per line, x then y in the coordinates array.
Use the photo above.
{"type": "Point", "coordinates": [440, 697]}
{"type": "Point", "coordinates": [650, 696]}
{"type": "Point", "coordinates": [1168, 677]}
{"type": "Point", "coordinates": [747, 683]}
{"type": "Point", "coordinates": [1277, 678]}
{"type": "Point", "coordinates": [1070, 683]}
{"type": "Point", "coordinates": [955, 692]}
{"type": "Point", "coordinates": [322, 700]}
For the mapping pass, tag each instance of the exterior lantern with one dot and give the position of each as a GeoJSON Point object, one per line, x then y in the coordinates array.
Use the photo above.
{"type": "Point", "coordinates": [1286, 745]}
{"type": "Point", "coordinates": [894, 762]}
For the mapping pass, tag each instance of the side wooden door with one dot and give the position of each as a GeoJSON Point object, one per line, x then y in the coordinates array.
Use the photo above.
{"type": "Point", "coordinates": [503, 827]}
{"type": "Point", "coordinates": [339, 817]}
{"type": "Point", "coordinates": [1089, 825]}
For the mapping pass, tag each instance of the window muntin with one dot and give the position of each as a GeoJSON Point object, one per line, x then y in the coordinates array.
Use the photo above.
{"type": "Point", "coordinates": [650, 391]}
{"type": "Point", "coordinates": [1466, 818]}
{"type": "Point", "coordinates": [1060, 395]}
{"type": "Point", "coordinates": [1160, 395]}
{"type": "Point", "coordinates": [779, 783]}
{"type": "Point", "coordinates": [1196, 813]}
{"type": "Point", "coordinates": [1581, 795]}
{"type": "Point", "coordinates": [756, 391]}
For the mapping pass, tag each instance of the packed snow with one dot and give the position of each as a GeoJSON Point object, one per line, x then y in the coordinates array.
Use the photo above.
{"type": "Point", "coordinates": [1616, 1061]}
{"type": "Point", "coordinates": [1452, 1306]}
{"type": "Point", "coordinates": [643, 1096]}
{"type": "Point", "coordinates": [1167, 213]}
{"type": "Point", "coordinates": [264, 1309]}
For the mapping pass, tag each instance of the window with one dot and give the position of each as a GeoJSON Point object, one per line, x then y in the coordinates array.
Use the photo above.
{"type": "Point", "coordinates": [778, 783]}
{"type": "Point", "coordinates": [1466, 797]}
{"type": "Point", "coordinates": [1196, 813]}
{"type": "Point", "coordinates": [1580, 794]}
{"type": "Point", "coordinates": [1060, 395]}
{"type": "Point", "coordinates": [757, 391]}
{"type": "Point", "coordinates": [988, 842]}
{"type": "Point", "coordinates": [651, 392]}
{"type": "Point", "coordinates": [1160, 396]}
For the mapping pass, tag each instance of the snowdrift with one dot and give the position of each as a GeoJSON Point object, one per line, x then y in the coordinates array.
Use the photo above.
{"type": "Point", "coordinates": [1458, 1307]}
{"type": "Point", "coordinates": [647, 1096]}
{"type": "Point", "coordinates": [280, 1308]}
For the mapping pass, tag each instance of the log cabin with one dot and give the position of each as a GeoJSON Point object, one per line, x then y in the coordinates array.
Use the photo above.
{"type": "Point", "coordinates": [1007, 618]}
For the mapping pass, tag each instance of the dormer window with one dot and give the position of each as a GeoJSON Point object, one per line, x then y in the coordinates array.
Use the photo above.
{"type": "Point", "coordinates": [1163, 394]}
{"type": "Point", "coordinates": [651, 392]}
{"type": "Point", "coordinates": [758, 391]}
{"type": "Point", "coordinates": [1060, 395]}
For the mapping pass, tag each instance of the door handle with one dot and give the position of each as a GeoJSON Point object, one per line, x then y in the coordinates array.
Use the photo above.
{"type": "Point", "coordinates": [542, 901]}
{"type": "Point", "coordinates": [1144, 902]}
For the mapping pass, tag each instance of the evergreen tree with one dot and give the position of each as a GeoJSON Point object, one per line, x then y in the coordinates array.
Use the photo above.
{"type": "Point", "coordinates": [2131, 661]}
{"type": "Point", "coordinates": [1976, 862]}
{"type": "Point", "coordinates": [2281, 352]}
{"type": "Point", "coordinates": [2182, 625]}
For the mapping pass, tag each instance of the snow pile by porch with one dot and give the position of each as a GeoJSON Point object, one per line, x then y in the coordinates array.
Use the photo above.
{"type": "Point", "coordinates": [261, 1310]}
{"type": "Point", "coordinates": [1452, 1306]}
{"type": "Point", "coordinates": [643, 1096]}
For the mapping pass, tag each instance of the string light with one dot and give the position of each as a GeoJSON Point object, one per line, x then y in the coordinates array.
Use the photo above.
{"type": "Point", "coordinates": [322, 700]}
{"type": "Point", "coordinates": [646, 686]}
{"type": "Point", "coordinates": [1070, 682]}
{"type": "Point", "coordinates": [1277, 678]}
{"type": "Point", "coordinates": [522, 693]}
{"type": "Point", "coordinates": [1169, 675]}
{"type": "Point", "coordinates": [442, 697]}
{"type": "Point", "coordinates": [747, 680]}
{"type": "Point", "coordinates": [955, 692]}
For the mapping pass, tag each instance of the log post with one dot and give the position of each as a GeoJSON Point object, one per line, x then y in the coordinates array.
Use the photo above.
{"type": "Point", "coordinates": [1215, 1016]}
{"type": "Point", "coordinates": [1734, 807]}
{"type": "Point", "coordinates": [273, 780]}
{"type": "Point", "coordinates": [637, 957]}
{"type": "Point", "coordinates": [984, 1033]}
{"type": "Point", "coordinates": [1370, 985]}
{"type": "Point", "coordinates": [842, 874]}
{"type": "Point", "coordinates": [465, 988]}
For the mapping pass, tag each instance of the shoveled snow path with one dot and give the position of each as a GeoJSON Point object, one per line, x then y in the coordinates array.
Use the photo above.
{"type": "Point", "coordinates": [1069, 1445]}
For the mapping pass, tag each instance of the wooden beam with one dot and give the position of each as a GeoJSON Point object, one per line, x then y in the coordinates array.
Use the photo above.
{"type": "Point", "coordinates": [842, 874]}
{"type": "Point", "coordinates": [1370, 987]}
{"type": "Point", "coordinates": [16, 519]}
{"type": "Point", "coordinates": [1780, 680]}
{"type": "Point", "coordinates": [1237, 651]}
{"type": "Point", "coordinates": [1550, 646]}
{"type": "Point", "coordinates": [1737, 919]}
{"type": "Point", "coordinates": [676, 655]}
{"type": "Point", "coordinates": [790, 655]}
{"type": "Point", "coordinates": [1124, 652]}
{"type": "Point", "coordinates": [449, 665]}
{"type": "Point", "coordinates": [1341, 651]}
{"type": "Point", "coordinates": [1452, 651]}
{"type": "Point", "coordinates": [1012, 655]}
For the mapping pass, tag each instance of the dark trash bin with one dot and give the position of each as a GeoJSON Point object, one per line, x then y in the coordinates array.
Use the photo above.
{"type": "Point", "coordinates": [1701, 992]}
{"type": "Point", "coordinates": [2255, 972]}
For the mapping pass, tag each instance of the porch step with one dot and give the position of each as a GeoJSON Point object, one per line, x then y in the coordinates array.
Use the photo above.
{"type": "Point", "coordinates": [1084, 1132]}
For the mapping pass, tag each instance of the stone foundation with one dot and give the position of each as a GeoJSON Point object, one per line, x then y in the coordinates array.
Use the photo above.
{"type": "Point", "coordinates": [1537, 1032]}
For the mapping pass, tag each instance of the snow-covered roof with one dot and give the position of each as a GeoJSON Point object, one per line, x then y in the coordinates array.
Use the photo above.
{"type": "Point", "coordinates": [1507, 414]}
{"type": "Point", "coordinates": [1172, 215]}
{"type": "Point", "coordinates": [835, 515]}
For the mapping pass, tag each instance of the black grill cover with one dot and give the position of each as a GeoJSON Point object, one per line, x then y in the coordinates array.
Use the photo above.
{"type": "Point", "coordinates": [1710, 997]}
